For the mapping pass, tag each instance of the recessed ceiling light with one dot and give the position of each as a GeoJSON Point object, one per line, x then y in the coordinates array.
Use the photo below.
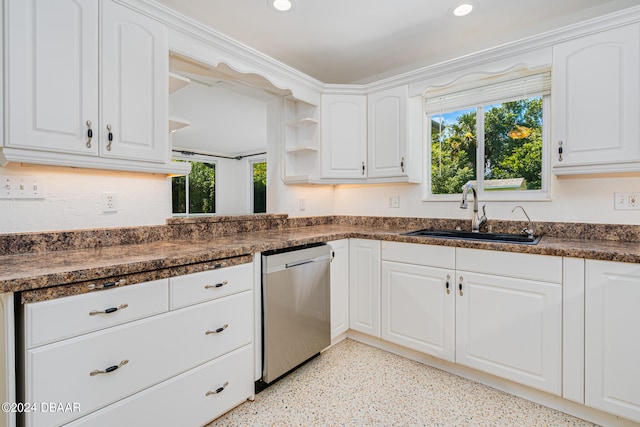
{"type": "Point", "coordinates": [280, 5]}
{"type": "Point", "coordinates": [463, 9]}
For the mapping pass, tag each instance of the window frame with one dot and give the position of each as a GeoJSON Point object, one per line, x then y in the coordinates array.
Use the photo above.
{"type": "Point", "coordinates": [200, 158]}
{"type": "Point", "coordinates": [544, 194]}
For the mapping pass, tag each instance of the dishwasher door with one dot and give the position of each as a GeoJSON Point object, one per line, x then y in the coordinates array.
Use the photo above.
{"type": "Point", "coordinates": [296, 310]}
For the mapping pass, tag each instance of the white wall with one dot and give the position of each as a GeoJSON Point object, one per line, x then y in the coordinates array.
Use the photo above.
{"type": "Point", "coordinates": [232, 187]}
{"type": "Point", "coordinates": [573, 200]}
{"type": "Point", "coordinates": [73, 200]}
{"type": "Point", "coordinates": [221, 121]}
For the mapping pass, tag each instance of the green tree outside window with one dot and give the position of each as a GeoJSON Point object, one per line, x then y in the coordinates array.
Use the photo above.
{"type": "Point", "coordinates": [512, 137]}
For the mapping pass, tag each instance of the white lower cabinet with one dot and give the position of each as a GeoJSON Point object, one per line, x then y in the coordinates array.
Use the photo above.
{"type": "Point", "coordinates": [189, 399]}
{"type": "Point", "coordinates": [138, 365]}
{"type": "Point", "coordinates": [339, 287]}
{"type": "Point", "coordinates": [509, 316]}
{"type": "Point", "coordinates": [418, 301]}
{"type": "Point", "coordinates": [501, 315]}
{"type": "Point", "coordinates": [612, 347]}
{"type": "Point", "coordinates": [511, 328]}
{"type": "Point", "coordinates": [364, 286]}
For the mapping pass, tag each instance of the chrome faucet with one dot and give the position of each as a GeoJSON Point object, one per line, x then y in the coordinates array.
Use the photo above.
{"type": "Point", "coordinates": [529, 229]}
{"type": "Point", "coordinates": [476, 221]}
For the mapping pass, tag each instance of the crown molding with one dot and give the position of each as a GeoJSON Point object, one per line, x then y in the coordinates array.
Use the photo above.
{"type": "Point", "coordinates": [534, 45]}
{"type": "Point", "coordinates": [531, 52]}
{"type": "Point", "coordinates": [238, 56]}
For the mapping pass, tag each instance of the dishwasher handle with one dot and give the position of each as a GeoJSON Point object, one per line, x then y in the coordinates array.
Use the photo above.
{"type": "Point", "coordinates": [306, 261]}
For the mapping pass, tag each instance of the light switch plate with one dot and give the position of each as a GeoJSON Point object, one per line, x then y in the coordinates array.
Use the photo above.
{"type": "Point", "coordinates": [21, 187]}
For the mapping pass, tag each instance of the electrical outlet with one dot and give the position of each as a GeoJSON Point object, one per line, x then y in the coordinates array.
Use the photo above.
{"type": "Point", "coordinates": [394, 202]}
{"type": "Point", "coordinates": [109, 201]}
{"type": "Point", "coordinates": [627, 201]}
{"type": "Point", "coordinates": [303, 204]}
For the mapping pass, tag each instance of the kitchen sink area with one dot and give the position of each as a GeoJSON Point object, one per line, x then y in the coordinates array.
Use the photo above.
{"type": "Point", "coordinates": [524, 239]}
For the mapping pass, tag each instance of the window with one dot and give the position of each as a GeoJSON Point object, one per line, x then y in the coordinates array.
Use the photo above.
{"type": "Point", "coordinates": [493, 136]}
{"type": "Point", "coordinates": [196, 192]}
{"type": "Point", "coordinates": [259, 186]}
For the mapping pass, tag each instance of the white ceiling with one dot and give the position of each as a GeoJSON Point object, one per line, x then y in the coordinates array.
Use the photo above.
{"type": "Point", "coordinates": [360, 41]}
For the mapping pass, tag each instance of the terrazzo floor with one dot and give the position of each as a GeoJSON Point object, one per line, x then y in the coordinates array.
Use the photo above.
{"type": "Point", "coordinates": [353, 384]}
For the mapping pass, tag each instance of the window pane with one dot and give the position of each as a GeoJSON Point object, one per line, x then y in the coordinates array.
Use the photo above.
{"type": "Point", "coordinates": [202, 188]}
{"type": "Point", "coordinates": [259, 187]}
{"type": "Point", "coordinates": [178, 194]}
{"type": "Point", "coordinates": [513, 145]}
{"type": "Point", "coordinates": [453, 150]}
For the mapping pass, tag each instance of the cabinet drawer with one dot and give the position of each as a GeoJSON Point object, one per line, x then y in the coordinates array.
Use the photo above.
{"type": "Point", "coordinates": [156, 348]}
{"type": "Point", "coordinates": [67, 317]}
{"type": "Point", "coordinates": [415, 253]}
{"type": "Point", "coordinates": [208, 285]}
{"type": "Point", "coordinates": [183, 400]}
{"type": "Point", "coordinates": [545, 268]}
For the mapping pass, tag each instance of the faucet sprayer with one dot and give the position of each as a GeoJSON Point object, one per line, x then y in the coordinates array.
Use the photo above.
{"type": "Point", "coordinates": [529, 229]}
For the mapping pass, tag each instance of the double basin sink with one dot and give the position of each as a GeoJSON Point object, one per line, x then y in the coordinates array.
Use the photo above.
{"type": "Point", "coordinates": [523, 239]}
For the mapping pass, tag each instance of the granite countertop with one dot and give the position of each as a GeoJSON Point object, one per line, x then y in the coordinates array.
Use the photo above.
{"type": "Point", "coordinates": [38, 270]}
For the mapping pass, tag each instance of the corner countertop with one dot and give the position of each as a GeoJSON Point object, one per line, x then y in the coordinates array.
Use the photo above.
{"type": "Point", "coordinates": [32, 271]}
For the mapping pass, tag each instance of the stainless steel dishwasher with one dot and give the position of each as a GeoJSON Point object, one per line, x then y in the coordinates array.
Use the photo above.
{"type": "Point", "coordinates": [296, 313]}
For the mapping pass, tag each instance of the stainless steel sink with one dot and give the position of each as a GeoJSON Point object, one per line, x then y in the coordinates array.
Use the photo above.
{"type": "Point", "coordinates": [485, 237]}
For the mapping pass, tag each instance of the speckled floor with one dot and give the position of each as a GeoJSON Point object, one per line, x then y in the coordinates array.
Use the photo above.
{"type": "Point", "coordinates": [353, 384]}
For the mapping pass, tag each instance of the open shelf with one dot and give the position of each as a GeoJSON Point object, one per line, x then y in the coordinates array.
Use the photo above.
{"type": "Point", "coordinates": [176, 123]}
{"type": "Point", "coordinates": [177, 82]}
{"type": "Point", "coordinates": [303, 122]}
{"type": "Point", "coordinates": [305, 149]}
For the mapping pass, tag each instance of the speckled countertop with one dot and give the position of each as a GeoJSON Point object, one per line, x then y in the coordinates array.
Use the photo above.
{"type": "Point", "coordinates": [186, 250]}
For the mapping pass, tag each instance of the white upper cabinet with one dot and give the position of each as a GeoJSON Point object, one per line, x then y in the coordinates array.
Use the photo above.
{"type": "Point", "coordinates": [344, 136]}
{"type": "Point", "coordinates": [134, 95]}
{"type": "Point", "coordinates": [387, 127]}
{"type": "Point", "coordinates": [53, 75]}
{"type": "Point", "coordinates": [596, 103]}
{"type": "Point", "coordinates": [78, 68]}
{"type": "Point", "coordinates": [371, 138]}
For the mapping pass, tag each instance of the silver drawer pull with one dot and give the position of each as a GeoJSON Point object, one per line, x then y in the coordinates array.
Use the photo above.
{"type": "Point", "coordinates": [109, 369]}
{"type": "Point", "coordinates": [217, 331]}
{"type": "Point", "coordinates": [93, 286]}
{"type": "Point", "coordinates": [211, 266]}
{"type": "Point", "coordinates": [218, 390]}
{"type": "Point", "coordinates": [109, 137]}
{"type": "Point", "coordinates": [217, 285]}
{"type": "Point", "coordinates": [109, 310]}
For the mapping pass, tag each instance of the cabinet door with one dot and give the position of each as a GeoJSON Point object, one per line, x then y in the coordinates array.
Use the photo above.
{"type": "Point", "coordinates": [387, 127]}
{"type": "Point", "coordinates": [364, 286]}
{"type": "Point", "coordinates": [511, 328]}
{"type": "Point", "coordinates": [339, 287]}
{"type": "Point", "coordinates": [134, 96]}
{"type": "Point", "coordinates": [612, 321]}
{"type": "Point", "coordinates": [52, 70]}
{"type": "Point", "coordinates": [418, 308]}
{"type": "Point", "coordinates": [596, 99]}
{"type": "Point", "coordinates": [344, 136]}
